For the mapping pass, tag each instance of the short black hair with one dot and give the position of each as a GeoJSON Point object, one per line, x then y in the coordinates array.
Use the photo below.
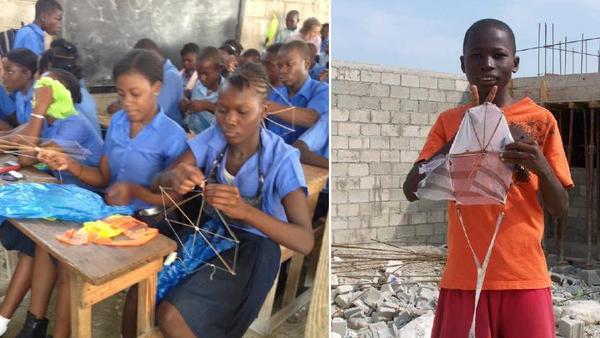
{"type": "Point", "coordinates": [251, 53]}
{"type": "Point", "coordinates": [293, 12]}
{"type": "Point", "coordinates": [61, 55]}
{"type": "Point", "coordinates": [69, 81]}
{"type": "Point", "coordinates": [210, 53]}
{"type": "Point", "coordinates": [25, 58]}
{"type": "Point", "coordinates": [274, 48]}
{"type": "Point", "coordinates": [147, 44]}
{"type": "Point", "coordinates": [141, 61]}
{"type": "Point", "coordinates": [490, 23]}
{"type": "Point", "coordinates": [232, 47]}
{"type": "Point", "coordinates": [300, 46]}
{"type": "Point", "coordinates": [190, 47]}
{"type": "Point", "coordinates": [46, 6]}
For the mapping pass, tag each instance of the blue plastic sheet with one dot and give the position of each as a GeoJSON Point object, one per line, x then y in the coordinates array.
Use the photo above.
{"type": "Point", "coordinates": [66, 202]}
{"type": "Point", "coordinates": [189, 259]}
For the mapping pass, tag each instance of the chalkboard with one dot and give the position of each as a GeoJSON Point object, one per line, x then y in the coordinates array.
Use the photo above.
{"type": "Point", "coordinates": [105, 30]}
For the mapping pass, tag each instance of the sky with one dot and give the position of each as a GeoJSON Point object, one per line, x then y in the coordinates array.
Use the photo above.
{"type": "Point", "coordinates": [427, 35]}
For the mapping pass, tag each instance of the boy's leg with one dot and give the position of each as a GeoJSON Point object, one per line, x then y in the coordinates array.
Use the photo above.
{"type": "Point", "coordinates": [527, 313]}
{"type": "Point", "coordinates": [62, 315]}
{"type": "Point", "coordinates": [171, 322]}
{"type": "Point", "coordinates": [18, 287]}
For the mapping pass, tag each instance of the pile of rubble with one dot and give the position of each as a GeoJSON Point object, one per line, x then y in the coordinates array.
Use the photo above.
{"type": "Point", "coordinates": [380, 291]}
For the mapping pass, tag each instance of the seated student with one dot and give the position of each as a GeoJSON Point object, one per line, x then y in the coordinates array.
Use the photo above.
{"type": "Point", "coordinates": [309, 33]}
{"type": "Point", "coordinates": [314, 144]}
{"type": "Point", "coordinates": [324, 55]}
{"type": "Point", "coordinates": [200, 110]}
{"type": "Point", "coordinates": [140, 142]}
{"type": "Point", "coordinates": [172, 85]}
{"type": "Point", "coordinates": [256, 181]}
{"type": "Point", "coordinates": [516, 298]}
{"type": "Point", "coordinates": [250, 55]}
{"type": "Point", "coordinates": [230, 52]}
{"type": "Point", "coordinates": [20, 68]}
{"type": "Point", "coordinates": [291, 27]}
{"type": "Point", "coordinates": [188, 73]}
{"type": "Point", "coordinates": [300, 101]}
{"type": "Point", "coordinates": [269, 61]}
{"type": "Point", "coordinates": [48, 18]}
{"type": "Point", "coordinates": [61, 132]}
{"type": "Point", "coordinates": [315, 69]}
{"type": "Point", "coordinates": [63, 55]}
{"type": "Point", "coordinates": [7, 109]}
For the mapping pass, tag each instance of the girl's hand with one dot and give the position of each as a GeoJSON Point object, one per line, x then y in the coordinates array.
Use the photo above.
{"type": "Point", "coordinates": [120, 193]}
{"type": "Point", "coordinates": [43, 99]}
{"type": "Point", "coordinates": [226, 198]}
{"type": "Point", "coordinates": [50, 154]}
{"type": "Point", "coordinates": [528, 154]}
{"type": "Point", "coordinates": [185, 177]}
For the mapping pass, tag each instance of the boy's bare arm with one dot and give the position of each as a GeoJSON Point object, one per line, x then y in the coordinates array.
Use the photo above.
{"type": "Point", "coordinates": [413, 178]}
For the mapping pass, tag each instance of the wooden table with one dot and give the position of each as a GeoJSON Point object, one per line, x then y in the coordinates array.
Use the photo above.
{"type": "Point", "coordinates": [98, 272]}
{"type": "Point", "coordinates": [267, 320]}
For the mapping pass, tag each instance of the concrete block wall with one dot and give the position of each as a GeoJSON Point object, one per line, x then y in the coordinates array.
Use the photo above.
{"type": "Point", "coordinates": [258, 14]}
{"type": "Point", "coordinates": [16, 11]}
{"type": "Point", "coordinates": [380, 119]}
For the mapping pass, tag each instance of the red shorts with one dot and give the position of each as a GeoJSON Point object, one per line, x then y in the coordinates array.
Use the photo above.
{"type": "Point", "coordinates": [500, 314]}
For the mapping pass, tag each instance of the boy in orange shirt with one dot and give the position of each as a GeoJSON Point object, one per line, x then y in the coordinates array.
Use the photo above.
{"type": "Point", "coordinates": [516, 300]}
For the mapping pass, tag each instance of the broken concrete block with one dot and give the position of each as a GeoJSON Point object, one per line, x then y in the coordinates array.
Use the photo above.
{"type": "Point", "coordinates": [334, 280]}
{"type": "Point", "coordinates": [352, 312]}
{"type": "Point", "coordinates": [344, 289]}
{"type": "Point", "coordinates": [381, 330]}
{"type": "Point", "coordinates": [570, 328]}
{"type": "Point", "coordinates": [357, 323]}
{"type": "Point", "coordinates": [365, 333]}
{"type": "Point", "coordinates": [563, 269]}
{"type": "Point", "coordinates": [373, 298]}
{"type": "Point", "coordinates": [386, 288]}
{"type": "Point", "coordinates": [590, 277]}
{"type": "Point", "coordinates": [344, 300]}
{"type": "Point", "coordinates": [335, 335]}
{"type": "Point", "coordinates": [428, 293]}
{"type": "Point", "coordinates": [419, 327]}
{"type": "Point", "coordinates": [586, 310]}
{"type": "Point", "coordinates": [339, 326]}
{"type": "Point", "coordinates": [384, 313]}
{"type": "Point", "coordinates": [402, 319]}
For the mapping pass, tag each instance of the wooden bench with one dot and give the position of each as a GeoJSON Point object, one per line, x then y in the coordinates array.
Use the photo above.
{"type": "Point", "coordinates": [267, 320]}
{"type": "Point", "coordinates": [98, 272]}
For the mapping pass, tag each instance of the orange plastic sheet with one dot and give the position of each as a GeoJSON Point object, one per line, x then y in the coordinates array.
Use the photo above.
{"type": "Point", "coordinates": [115, 230]}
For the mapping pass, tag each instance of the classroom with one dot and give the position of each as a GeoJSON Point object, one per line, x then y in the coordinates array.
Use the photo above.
{"type": "Point", "coordinates": [164, 168]}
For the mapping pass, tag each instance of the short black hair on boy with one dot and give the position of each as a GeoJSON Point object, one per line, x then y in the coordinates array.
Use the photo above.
{"type": "Point", "coordinates": [190, 47]}
{"type": "Point", "coordinates": [274, 48]}
{"type": "Point", "coordinates": [232, 47]}
{"type": "Point", "coordinates": [292, 13]}
{"type": "Point", "coordinates": [140, 61]}
{"type": "Point", "coordinates": [300, 46]}
{"type": "Point", "coordinates": [490, 23]}
{"type": "Point", "coordinates": [147, 44]}
{"type": "Point", "coordinates": [250, 53]}
{"type": "Point", "coordinates": [210, 53]}
{"type": "Point", "coordinates": [46, 6]}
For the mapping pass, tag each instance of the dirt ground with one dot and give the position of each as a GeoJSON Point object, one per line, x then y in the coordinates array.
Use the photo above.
{"type": "Point", "coordinates": [106, 314]}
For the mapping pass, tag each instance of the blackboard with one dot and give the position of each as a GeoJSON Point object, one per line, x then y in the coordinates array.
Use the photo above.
{"type": "Point", "coordinates": [105, 30]}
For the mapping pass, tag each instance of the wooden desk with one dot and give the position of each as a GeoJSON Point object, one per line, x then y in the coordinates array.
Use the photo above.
{"type": "Point", "coordinates": [98, 272]}
{"type": "Point", "coordinates": [267, 320]}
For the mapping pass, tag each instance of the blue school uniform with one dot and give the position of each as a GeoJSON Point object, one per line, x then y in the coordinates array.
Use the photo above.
{"type": "Point", "coordinates": [280, 166]}
{"type": "Point", "coordinates": [199, 294]}
{"type": "Point", "coordinates": [7, 104]}
{"type": "Point", "coordinates": [171, 92]}
{"type": "Point", "coordinates": [139, 159]}
{"type": "Point", "coordinates": [23, 105]}
{"type": "Point", "coordinates": [75, 128]}
{"type": "Point", "coordinates": [31, 37]}
{"type": "Point", "coordinates": [315, 71]}
{"type": "Point", "coordinates": [313, 94]}
{"type": "Point", "coordinates": [199, 121]}
{"type": "Point", "coordinates": [316, 137]}
{"type": "Point", "coordinates": [87, 107]}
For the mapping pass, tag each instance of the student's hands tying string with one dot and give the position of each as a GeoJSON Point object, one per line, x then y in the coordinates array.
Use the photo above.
{"type": "Point", "coordinates": [228, 199]}
{"type": "Point", "coordinates": [185, 177]}
{"type": "Point", "coordinates": [120, 193]}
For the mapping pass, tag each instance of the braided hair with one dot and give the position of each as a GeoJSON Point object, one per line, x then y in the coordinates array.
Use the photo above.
{"type": "Point", "coordinates": [62, 55]}
{"type": "Point", "coordinates": [251, 75]}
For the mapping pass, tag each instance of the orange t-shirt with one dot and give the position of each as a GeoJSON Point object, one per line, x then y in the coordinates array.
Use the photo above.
{"type": "Point", "coordinates": [517, 260]}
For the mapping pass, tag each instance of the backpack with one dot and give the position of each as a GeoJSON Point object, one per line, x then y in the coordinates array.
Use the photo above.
{"type": "Point", "coordinates": [7, 40]}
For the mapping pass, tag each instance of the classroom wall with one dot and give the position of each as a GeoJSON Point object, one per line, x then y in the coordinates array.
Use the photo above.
{"type": "Point", "coordinates": [16, 11]}
{"type": "Point", "coordinates": [380, 119]}
{"type": "Point", "coordinates": [258, 14]}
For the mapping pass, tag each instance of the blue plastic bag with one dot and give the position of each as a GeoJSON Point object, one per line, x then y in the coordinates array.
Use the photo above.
{"type": "Point", "coordinates": [66, 202]}
{"type": "Point", "coordinates": [194, 253]}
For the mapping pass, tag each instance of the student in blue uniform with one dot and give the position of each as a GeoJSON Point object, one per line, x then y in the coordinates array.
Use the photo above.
{"type": "Point", "coordinates": [200, 109]}
{"type": "Point", "coordinates": [189, 76]}
{"type": "Point", "coordinates": [19, 71]}
{"type": "Point", "coordinates": [140, 142]}
{"type": "Point", "coordinates": [315, 69]}
{"type": "Point", "coordinates": [255, 180]}
{"type": "Point", "coordinates": [63, 55]}
{"type": "Point", "coordinates": [172, 85]}
{"type": "Point", "coordinates": [309, 98]}
{"type": "Point", "coordinates": [314, 144]}
{"type": "Point", "coordinates": [48, 18]}
{"type": "Point", "coordinates": [269, 60]}
{"type": "Point", "coordinates": [7, 109]}
{"type": "Point", "coordinates": [61, 132]}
